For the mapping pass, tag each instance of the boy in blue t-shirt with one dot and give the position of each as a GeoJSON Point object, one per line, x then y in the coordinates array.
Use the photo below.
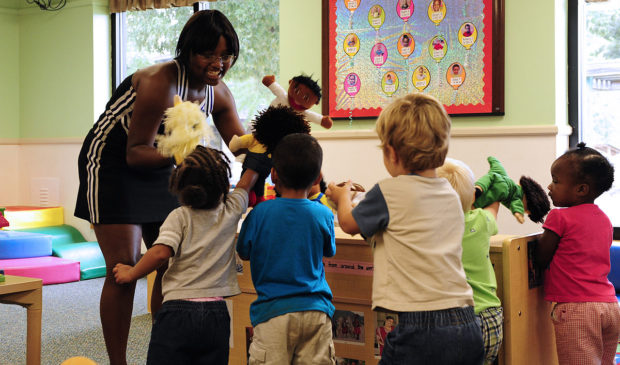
{"type": "Point", "coordinates": [285, 240]}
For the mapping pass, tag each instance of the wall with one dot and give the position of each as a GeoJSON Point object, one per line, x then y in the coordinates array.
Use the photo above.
{"type": "Point", "coordinates": [57, 107]}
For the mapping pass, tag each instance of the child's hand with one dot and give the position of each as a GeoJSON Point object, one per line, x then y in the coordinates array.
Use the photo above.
{"type": "Point", "coordinates": [335, 192]}
{"type": "Point", "coordinates": [268, 80]}
{"type": "Point", "coordinates": [326, 122]}
{"type": "Point", "coordinates": [122, 273]}
{"type": "Point", "coordinates": [519, 217]}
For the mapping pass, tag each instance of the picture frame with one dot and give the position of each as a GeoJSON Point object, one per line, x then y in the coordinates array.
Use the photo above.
{"type": "Point", "coordinates": [375, 51]}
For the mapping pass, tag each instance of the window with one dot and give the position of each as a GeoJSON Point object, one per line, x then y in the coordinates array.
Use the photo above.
{"type": "Point", "coordinates": [143, 38]}
{"type": "Point", "coordinates": [594, 86]}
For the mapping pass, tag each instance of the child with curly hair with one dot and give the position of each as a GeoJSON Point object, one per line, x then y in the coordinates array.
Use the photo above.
{"type": "Point", "coordinates": [574, 248]}
{"type": "Point", "coordinates": [193, 324]}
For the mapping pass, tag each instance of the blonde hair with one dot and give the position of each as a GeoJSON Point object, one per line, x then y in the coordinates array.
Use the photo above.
{"type": "Point", "coordinates": [418, 128]}
{"type": "Point", "coordinates": [461, 178]}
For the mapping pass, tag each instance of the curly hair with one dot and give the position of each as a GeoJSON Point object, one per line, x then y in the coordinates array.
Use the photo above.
{"type": "Point", "coordinates": [592, 168]}
{"type": "Point", "coordinates": [537, 200]}
{"type": "Point", "coordinates": [275, 122]}
{"type": "Point", "coordinates": [201, 181]}
{"type": "Point", "coordinates": [311, 84]}
{"type": "Point", "coordinates": [298, 160]}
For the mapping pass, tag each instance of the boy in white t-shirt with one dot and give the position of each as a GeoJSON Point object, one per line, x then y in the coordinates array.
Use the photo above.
{"type": "Point", "coordinates": [414, 222]}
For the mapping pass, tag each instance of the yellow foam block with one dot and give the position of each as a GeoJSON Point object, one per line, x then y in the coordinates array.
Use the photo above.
{"type": "Point", "coordinates": [21, 217]}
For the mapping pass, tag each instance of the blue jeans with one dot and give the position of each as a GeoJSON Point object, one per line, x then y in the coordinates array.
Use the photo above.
{"type": "Point", "coordinates": [186, 332]}
{"type": "Point", "coordinates": [449, 336]}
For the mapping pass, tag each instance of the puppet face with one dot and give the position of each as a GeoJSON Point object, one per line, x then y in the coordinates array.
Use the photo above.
{"type": "Point", "coordinates": [300, 97]}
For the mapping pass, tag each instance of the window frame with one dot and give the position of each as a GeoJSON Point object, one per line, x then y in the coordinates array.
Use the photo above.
{"type": "Point", "coordinates": [574, 23]}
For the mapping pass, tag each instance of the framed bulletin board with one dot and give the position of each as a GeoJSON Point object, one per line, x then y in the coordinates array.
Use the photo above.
{"type": "Point", "coordinates": [377, 50]}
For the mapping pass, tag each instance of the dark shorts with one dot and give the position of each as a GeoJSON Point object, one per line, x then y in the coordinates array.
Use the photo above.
{"type": "Point", "coordinates": [450, 336]}
{"type": "Point", "coordinates": [186, 332]}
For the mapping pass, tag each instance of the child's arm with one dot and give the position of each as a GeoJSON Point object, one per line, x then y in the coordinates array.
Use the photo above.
{"type": "Point", "coordinates": [247, 180]}
{"type": "Point", "coordinates": [152, 259]}
{"type": "Point", "coordinates": [342, 197]}
{"type": "Point", "coordinates": [545, 249]}
{"type": "Point", "coordinates": [493, 208]}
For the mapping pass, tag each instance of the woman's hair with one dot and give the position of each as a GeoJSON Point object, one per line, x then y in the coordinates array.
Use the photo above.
{"type": "Point", "coordinates": [201, 181]}
{"type": "Point", "coordinates": [592, 168]}
{"type": "Point", "coordinates": [461, 178]}
{"type": "Point", "coordinates": [202, 33]}
{"type": "Point", "coordinates": [418, 128]}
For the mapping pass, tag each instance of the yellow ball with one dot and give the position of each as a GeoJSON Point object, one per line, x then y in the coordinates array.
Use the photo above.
{"type": "Point", "coordinates": [78, 360]}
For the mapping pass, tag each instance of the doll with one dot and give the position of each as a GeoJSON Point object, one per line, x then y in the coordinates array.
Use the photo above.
{"type": "Point", "coordinates": [303, 93]}
{"type": "Point", "coordinates": [526, 197]}
{"type": "Point", "coordinates": [185, 126]}
{"type": "Point", "coordinates": [268, 128]}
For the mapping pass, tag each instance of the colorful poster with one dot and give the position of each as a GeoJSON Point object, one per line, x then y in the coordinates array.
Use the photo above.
{"type": "Point", "coordinates": [382, 49]}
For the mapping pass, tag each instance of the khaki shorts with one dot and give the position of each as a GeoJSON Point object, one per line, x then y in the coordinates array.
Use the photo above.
{"type": "Point", "coordinates": [294, 338]}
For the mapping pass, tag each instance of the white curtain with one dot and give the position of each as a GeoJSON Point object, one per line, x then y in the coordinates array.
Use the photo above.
{"type": "Point", "coordinates": [118, 6]}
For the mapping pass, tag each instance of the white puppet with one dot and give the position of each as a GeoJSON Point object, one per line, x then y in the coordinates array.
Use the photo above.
{"type": "Point", "coordinates": [185, 127]}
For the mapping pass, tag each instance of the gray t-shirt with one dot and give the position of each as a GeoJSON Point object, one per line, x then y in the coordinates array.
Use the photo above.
{"type": "Point", "coordinates": [203, 264]}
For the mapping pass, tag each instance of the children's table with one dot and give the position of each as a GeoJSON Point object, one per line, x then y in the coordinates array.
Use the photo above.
{"type": "Point", "coordinates": [26, 292]}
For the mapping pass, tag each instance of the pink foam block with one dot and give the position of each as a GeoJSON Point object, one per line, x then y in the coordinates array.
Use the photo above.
{"type": "Point", "coordinates": [50, 269]}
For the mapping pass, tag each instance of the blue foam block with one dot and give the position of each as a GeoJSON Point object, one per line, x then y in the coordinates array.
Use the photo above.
{"type": "Point", "coordinates": [614, 258]}
{"type": "Point", "coordinates": [18, 245]}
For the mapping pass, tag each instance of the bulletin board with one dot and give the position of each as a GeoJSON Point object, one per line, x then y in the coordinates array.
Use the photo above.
{"type": "Point", "coordinates": [377, 50]}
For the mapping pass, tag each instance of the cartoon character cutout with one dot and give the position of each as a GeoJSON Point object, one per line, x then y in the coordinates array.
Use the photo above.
{"type": "Point", "coordinates": [351, 44]}
{"type": "Point", "coordinates": [404, 9]}
{"type": "Point", "coordinates": [405, 45]}
{"type": "Point", "coordinates": [468, 35]}
{"type": "Point", "coordinates": [389, 83]}
{"type": "Point", "coordinates": [378, 54]}
{"type": "Point", "coordinates": [421, 78]}
{"type": "Point", "coordinates": [437, 48]}
{"type": "Point", "coordinates": [376, 16]}
{"type": "Point", "coordinates": [455, 75]}
{"type": "Point", "coordinates": [436, 11]}
{"type": "Point", "coordinates": [352, 5]}
{"type": "Point", "coordinates": [352, 84]}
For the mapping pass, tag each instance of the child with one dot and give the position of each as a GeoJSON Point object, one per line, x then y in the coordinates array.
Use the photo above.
{"type": "Point", "coordinates": [285, 240]}
{"type": "Point", "coordinates": [414, 222]}
{"type": "Point", "coordinates": [480, 225]}
{"type": "Point", "coordinates": [317, 194]}
{"type": "Point", "coordinates": [575, 246]}
{"type": "Point", "coordinates": [193, 324]}
{"type": "Point", "coordinates": [303, 93]}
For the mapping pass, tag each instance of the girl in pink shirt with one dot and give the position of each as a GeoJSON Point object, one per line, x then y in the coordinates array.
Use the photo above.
{"type": "Point", "coordinates": [574, 248]}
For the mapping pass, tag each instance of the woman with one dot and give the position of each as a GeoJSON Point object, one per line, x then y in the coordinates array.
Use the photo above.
{"type": "Point", "coordinates": [124, 180]}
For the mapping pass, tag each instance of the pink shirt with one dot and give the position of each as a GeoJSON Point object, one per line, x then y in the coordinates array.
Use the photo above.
{"type": "Point", "coordinates": [580, 265]}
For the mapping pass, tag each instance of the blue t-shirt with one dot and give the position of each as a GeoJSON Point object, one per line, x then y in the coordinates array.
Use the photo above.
{"type": "Point", "coordinates": [285, 241]}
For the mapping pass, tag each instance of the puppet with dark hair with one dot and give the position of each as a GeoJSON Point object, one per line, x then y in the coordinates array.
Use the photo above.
{"type": "Point", "coordinates": [303, 93]}
{"type": "Point", "coordinates": [268, 128]}
{"type": "Point", "coordinates": [526, 197]}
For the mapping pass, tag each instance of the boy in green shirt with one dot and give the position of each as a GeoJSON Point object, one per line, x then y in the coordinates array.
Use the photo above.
{"type": "Point", "coordinates": [480, 225]}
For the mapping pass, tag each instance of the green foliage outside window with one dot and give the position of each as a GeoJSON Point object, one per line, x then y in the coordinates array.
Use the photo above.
{"type": "Point", "coordinates": [152, 36]}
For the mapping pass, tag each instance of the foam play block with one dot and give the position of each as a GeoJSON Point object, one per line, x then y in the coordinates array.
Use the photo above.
{"type": "Point", "coordinates": [30, 217]}
{"type": "Point", "coordinates": [61, 234]}
{"type": "Point", "coordinates": [69, 243]}
{"type": "Point", "coordinates": [17, 245]}
{"type": "Point", "coordinates": [50, 269]}
{"type": "Point", "coordinates": [92, 263]}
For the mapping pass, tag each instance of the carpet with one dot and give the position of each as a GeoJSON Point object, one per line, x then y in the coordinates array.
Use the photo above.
{"type": "Point", "coordinates": [71, 325]}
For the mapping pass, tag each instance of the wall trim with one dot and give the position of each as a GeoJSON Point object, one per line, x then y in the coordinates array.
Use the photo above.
{"type": "Point", "coordinates": [502, 131]}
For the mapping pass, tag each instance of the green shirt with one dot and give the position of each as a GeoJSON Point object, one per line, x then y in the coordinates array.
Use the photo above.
{"type": "Point", "coordinates": [480, 225]}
